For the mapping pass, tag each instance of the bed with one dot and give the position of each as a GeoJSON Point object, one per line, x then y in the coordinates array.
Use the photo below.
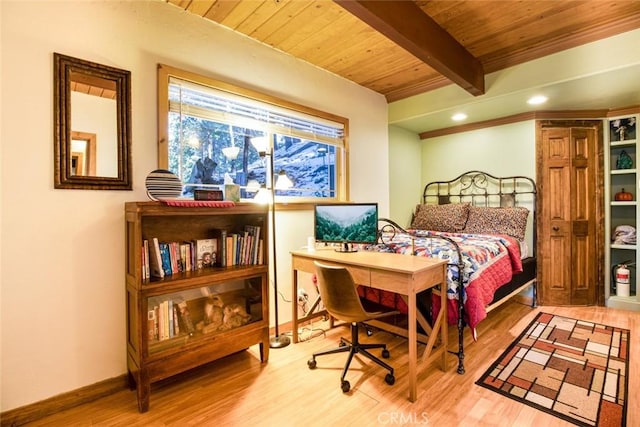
{"type": "Point", "coordinates": [484, 226]}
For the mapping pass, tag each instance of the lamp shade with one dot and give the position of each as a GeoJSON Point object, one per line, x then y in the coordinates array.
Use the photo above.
{"type": "Point", "coordinates": [283, 182]}
{"type": "Point", "coordinates": [253, 185]}
{"type": "Point", "coordinates": [231, 153]}
{"type": "Point", "coordinates": [260, 143]}
{"type": "Point", "coordinates": [263, 196]}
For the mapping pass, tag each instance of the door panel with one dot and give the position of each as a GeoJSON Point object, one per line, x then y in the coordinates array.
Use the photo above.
{"type": "Point", "coordinates": [568, 214]}
{"type": "Point", "coordinates": [555, 217]}
{"type": "Point", "coordinates": [583, 244]}
{"type": "Point", "coordinates": [558, 206]}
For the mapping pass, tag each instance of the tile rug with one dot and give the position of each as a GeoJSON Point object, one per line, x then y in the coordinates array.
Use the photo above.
{"type": "Point", "coordinates": [572, 369]}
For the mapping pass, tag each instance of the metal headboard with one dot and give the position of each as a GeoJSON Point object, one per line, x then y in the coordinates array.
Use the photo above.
{"type": "Point", "coordinates": [480, 189]}
{"type": "Point", "coordinates": [483, 189]}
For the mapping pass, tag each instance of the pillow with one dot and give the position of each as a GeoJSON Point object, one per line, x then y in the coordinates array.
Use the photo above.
{"type": "Point", "coordinates": [485, 220]}
{"type": "Point", "coordinates": [449, 218]}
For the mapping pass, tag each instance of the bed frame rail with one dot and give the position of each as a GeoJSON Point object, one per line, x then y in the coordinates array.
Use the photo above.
{"type": "Point", "coordinates": [393, 228]}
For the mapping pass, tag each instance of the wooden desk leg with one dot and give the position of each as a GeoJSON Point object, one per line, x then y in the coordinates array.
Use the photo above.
{"type": "Point", "coordinates": [413, 348]}
{"type": "Point", "coordinates": [294, 306]}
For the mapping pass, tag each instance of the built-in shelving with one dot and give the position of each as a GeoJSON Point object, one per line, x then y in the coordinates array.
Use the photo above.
{"type": "Point", "coordinates": [621, 142]}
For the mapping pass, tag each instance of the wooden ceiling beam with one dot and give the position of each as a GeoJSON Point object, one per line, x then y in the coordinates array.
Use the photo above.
{"type": "Point", "coordinates": [409, 27]}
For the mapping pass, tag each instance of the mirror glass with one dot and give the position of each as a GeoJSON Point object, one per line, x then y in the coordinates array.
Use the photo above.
{"type": "Point", "coordinates": [92, 125]}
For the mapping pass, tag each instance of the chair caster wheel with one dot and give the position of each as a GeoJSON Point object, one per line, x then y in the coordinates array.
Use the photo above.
{"type": "Point", "coordinates": [342, 343]}
{"type": "Point", "coordinates": [390, 379]}
{"type": "Point", "coordinates": [369, 332]}
{"type": "Point", "coordinates": [311, 363]}
{"type": "Point", "coordinates": [345, 386]}
{"type": "Point", "coordinates": [385, 354]}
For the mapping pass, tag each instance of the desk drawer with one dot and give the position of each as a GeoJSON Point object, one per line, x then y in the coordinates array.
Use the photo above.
{"type": "Point", "coordinates": [361, 275]}
{"type": "Point", "coordinates": [390, 281]}
{"type": "Point", "coordinates": [303, 264]}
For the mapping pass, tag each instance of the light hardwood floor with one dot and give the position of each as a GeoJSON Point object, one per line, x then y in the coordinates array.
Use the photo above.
{"type": "Point", "coordinates": [239, 391]}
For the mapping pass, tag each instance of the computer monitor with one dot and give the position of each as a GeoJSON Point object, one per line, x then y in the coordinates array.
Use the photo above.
{"type": "Point", "coordinates": [346, 223]}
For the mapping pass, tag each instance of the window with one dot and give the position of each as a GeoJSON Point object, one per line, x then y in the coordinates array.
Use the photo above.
{"type": "Point", "coordinates": [205, 133]}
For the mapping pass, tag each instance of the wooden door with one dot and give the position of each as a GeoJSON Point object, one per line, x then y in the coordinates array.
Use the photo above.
{"type": "Point", "coordinates": [569, 213]}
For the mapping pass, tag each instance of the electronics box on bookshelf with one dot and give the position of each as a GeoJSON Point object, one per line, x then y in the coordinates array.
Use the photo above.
{"type": "Point", "coordinates": [196, 286]}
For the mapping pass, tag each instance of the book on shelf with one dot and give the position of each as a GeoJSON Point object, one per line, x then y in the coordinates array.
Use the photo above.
{"type": "Point", "coordinates": [242, 250]}
{"type": "Point", "coordinates": [229, 248]}
{"type": "Point", "coordinates": [221, 238]}
{"type": "Point", "coordinates": [165, 257]}
{"type": "Point", "coordinates": [160, 316]}
{"type": "Point", "coordinates": [260, 252]}
{"type": "Point", "coordinates": [237, 242]}
{"type": "Point", "coordinates": [174, 255]}
{"type": "Point", "coordinates": [152, 324]}
{"type": "Point", "coordinates": [143, 260]}
{"type": "Point", "coordinates": [206, 250]}
{"type": "Point", "coordinates": [165, 320]}
{"type": "Point", "coordinates": [185, 256]}
{"type": "Point", "coordinates": [176, 322]}
{"type": "Point", "coordinates": [170, 317]}
{"type": "Point", "coordinates": [238, 248]}
{"type": "Point", "coordinates": [194, 261]}
{"type": "Point", "coordinates": [155, 258]}
{"type": "Point", "coordinates": [181, 257]}
{"type": "Point", "coordinates": [145, 253]}
{"type": "Point", "coordinates": [254, 232]}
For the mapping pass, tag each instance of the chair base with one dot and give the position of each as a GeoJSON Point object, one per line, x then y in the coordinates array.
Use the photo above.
{"type": "Point", "coordinates": [354, 347]}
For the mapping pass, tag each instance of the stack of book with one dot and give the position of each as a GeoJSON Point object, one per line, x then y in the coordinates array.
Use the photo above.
{"type": "Point", "coordinates": [244, 248]}
{"type": "Point", "coordinates": [160, 259]}
{"type": "Point", "coordinates": [169, 319]}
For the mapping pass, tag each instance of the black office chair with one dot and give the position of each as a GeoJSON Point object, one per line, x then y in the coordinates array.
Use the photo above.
{"type": "Point", "coordinates": [340, 297]}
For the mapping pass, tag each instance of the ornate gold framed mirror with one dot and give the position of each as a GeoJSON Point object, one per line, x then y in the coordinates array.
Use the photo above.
{"type": "Point", "coordinates": [92, 125]}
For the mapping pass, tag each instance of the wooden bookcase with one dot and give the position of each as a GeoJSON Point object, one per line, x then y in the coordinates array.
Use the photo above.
{"type": "Point", "coordinates": [237, 288]}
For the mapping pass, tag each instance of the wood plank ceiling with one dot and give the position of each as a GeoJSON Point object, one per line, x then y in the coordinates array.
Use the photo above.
{"type": "Point", "coordinates": [403, 50]}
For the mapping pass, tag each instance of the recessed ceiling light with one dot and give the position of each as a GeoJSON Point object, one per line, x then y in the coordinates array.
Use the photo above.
{"type": "Point", "coordinates": [459, 117]}
{"type": "Point", "coordinates": [537, 100]}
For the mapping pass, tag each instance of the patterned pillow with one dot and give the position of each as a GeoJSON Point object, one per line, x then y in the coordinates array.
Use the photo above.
{"type": "Point", "coordinates": [485, 220]}
{"type": "Point", "coordinates": [450, 218]}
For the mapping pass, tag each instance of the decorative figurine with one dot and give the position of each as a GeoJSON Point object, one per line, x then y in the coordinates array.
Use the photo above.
{"type": "Point", "coordinates": [624, 161]}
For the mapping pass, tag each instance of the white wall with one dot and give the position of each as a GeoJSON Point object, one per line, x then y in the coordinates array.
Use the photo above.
{"type": "Point", "coordinates": [505, 150]}
{"type": "Point", "coordinates": [1, 199]}
{"type": "Point", "coordinates": [405, 171]}
{"type": "Point", "coordinates": [500, 150]}
{"type": "Point", "coordinates": [62, 272]}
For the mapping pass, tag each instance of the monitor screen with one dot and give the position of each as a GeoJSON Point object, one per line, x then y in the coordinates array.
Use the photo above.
{"type": "Point", "coordinates": [346, 223]}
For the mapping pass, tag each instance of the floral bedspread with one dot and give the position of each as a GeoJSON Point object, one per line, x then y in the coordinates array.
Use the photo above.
{"type": "Point", "coordinates": [489, 262]}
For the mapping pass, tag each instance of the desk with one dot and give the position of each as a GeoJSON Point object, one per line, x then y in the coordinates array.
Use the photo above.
{"type": "Point", "coordinates": [404, 275]}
